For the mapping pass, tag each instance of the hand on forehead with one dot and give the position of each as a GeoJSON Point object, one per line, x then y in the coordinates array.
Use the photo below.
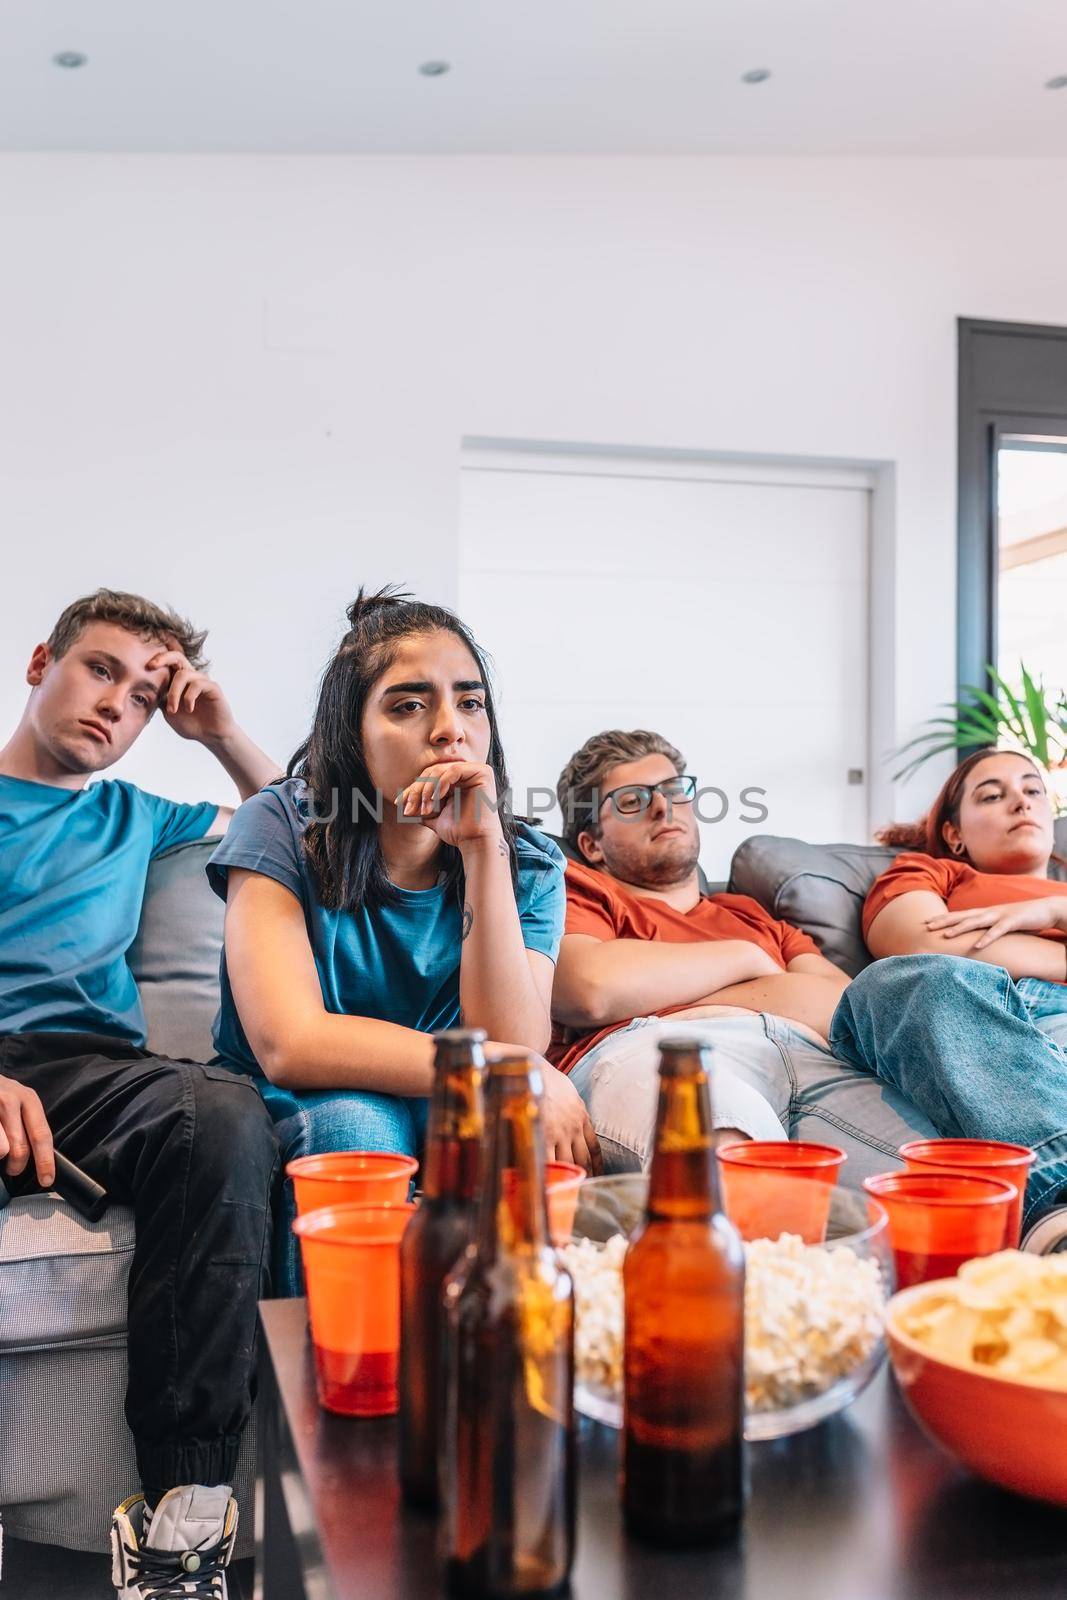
{"type": "Point", "coordinates": [165, 659]}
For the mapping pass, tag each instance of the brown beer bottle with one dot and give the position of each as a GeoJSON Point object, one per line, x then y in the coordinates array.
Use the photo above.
{"type": "Point", "coordinates": [507, 1470]}
{"type": "Point", "coordinates": [430, 1247]}
{"type": "Point", "coordinates": [684, 1285]}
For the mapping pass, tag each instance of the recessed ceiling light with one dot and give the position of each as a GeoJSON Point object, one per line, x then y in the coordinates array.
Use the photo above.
{"type": "Point", "coordinates": [757, 75]}
{"type": "Point", "coordinates": [434, 69]}
{"type": "Point", "coordinates": [1057, 83]}
{"type": "Point", "coordinates": [69, 58]}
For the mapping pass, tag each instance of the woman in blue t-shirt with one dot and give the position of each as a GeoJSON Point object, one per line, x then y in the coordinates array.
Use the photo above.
{"type": "Point", "coordinates": [383, 890]}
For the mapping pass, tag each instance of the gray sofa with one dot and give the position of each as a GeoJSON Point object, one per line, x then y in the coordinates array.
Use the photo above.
{"type": "Point", "coordinates": [68, 1459]}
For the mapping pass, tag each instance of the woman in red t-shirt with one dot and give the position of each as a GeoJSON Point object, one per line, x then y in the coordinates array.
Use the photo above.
{"type": "Point", "coordinates": [968, 1015]}
{"type": "Point", "coordinates": [973, 878]}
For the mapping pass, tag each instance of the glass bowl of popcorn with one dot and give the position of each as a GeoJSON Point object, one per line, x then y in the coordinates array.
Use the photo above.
{"type": "Point", "coordinates": [814, 1313]}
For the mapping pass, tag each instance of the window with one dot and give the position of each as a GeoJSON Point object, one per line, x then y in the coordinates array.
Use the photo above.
{"type": "Point", "coordinates": [1012, 500]}
{"type": "Point", "coordinates": [1032, 557]}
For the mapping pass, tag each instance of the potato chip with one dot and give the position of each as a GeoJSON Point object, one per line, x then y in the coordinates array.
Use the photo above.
{"type": "Point", "coordinates": [1005, 1313]}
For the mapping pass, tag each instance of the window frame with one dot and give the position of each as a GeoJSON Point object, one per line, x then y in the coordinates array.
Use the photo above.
{"type": "Point", "coordinates": [1012, 380]}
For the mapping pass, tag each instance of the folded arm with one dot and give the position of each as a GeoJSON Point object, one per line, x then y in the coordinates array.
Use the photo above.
{"type": "Point", "coordinates": [600, 981]}
{"type": "Point", "coordinates": [503, 987]}
{"type": "Point", "coordinates": [903, 928]}
{"type": "Point", "coordinates": [807, 991]}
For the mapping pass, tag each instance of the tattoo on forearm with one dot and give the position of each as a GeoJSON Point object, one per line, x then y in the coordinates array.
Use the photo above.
{"type": "Point", "coordinates": [468, 922]}
{"type": "Point", "coordinates": [502, 846]}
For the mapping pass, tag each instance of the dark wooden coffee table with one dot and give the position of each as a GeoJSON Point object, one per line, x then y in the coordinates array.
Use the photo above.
{"type": "Point", "coordinates": [860, 1508]}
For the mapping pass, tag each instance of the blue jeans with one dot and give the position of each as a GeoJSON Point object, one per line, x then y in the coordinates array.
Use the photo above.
{"type": "Point", "coordinates": [325, 1120]}
{"type": "Point", "coordinates": [985, 1057]}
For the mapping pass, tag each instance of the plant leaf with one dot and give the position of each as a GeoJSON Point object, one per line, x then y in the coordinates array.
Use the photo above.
{"type": "Point", "coordinates": [998, 713]}
{"type": "Point", "coordinates": [936, 745]}
{"type": "Point", "coordinates": [1034, 694]}
{"type": "Point", "coordinates": [1037, 723]}
{"type": "Point", "coordinates": [1018, 725]}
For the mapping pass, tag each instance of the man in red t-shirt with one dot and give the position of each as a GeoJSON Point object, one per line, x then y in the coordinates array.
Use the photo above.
{"type": "Point", "coordinates": [645, 955]}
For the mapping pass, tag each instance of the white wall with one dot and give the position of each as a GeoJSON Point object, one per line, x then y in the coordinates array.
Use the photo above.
{"type": "Point", "coordinates": [240, 384]}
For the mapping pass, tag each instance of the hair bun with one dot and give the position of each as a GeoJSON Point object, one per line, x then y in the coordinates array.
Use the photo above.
{"type": "Point", "coordinates": [365, 604]}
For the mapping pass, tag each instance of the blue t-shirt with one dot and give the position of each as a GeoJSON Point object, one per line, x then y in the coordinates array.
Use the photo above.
{"type": "Point", "coordinates": [73, 865]}
{"type": "Point", "coordinates": [398, 963]}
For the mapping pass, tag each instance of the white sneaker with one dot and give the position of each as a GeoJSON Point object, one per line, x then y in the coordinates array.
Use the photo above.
{"type": "Point", "coordinates": [177, 1553]}
{"type": "Point", "coordinates": [1048, 1236]}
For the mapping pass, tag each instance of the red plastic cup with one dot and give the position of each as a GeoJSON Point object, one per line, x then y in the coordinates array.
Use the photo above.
{"type": "Point", "coordinates": [563, 1179]}
{"type": "Point", "coordinates": [351, 1177]}
{"type": "Point", "coordinates": [775, 1186]}
{"type": "Point", "coordinates": [976, 1158]}
{"type": "Point", "coordinates": [937, 1221]}
{"type": "Point", "coordinates": [352, 1269]}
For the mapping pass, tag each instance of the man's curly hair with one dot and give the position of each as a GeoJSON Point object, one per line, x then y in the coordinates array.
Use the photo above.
{"type": "Point", "coordinates": [134, 613]}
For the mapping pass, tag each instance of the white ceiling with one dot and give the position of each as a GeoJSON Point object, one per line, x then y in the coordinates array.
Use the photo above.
{"type": "Point", "coordinates": [856, 77]}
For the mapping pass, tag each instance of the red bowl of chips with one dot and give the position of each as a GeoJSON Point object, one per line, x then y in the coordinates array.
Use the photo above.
{"type": "Point", "coordinates": [1009, 1427]}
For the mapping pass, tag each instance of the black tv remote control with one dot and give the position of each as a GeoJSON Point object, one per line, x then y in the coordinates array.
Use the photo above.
{"type": "Point", "coordinates": [74, 1186]}
{"type": "Point", "coordinates": [87, 1196]}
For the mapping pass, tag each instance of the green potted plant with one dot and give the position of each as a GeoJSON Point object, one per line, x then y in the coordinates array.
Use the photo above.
{"type": "Point", "coordinates": [1030, 718]}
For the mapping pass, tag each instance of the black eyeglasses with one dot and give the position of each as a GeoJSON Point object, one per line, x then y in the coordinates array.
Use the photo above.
{"type": "Point", "coordinates": [633, 798]}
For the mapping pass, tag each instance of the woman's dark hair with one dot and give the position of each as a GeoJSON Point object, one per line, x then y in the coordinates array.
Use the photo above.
{"type": "Point", "coordinates": [927, 834]}
{"type": "Point", "coordinates": [341, 841]}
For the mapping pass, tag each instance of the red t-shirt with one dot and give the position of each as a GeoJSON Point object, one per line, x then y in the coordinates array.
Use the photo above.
{"type": "Point", "coordinates": [958, 885]}
{"type": "Point", "coordinates": [599, 906]}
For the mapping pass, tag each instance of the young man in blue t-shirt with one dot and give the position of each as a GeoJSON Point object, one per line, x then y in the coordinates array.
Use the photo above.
{"type": "Point", "coordinates": [189, 1147]}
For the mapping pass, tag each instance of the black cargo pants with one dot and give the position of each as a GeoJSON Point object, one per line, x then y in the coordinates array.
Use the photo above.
{"type": "Point", "coordinates": [192, 1149]}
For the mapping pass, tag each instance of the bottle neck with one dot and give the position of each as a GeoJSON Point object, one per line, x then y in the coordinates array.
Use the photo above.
{"type": "Point", "coordinates": [455, 1132]}
{"type": "Point", "coordinates": [684, 1179]}
{"type": "Point", "coordinates": [512, 1217]}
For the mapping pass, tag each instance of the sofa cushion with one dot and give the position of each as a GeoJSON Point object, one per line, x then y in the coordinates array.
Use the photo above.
{"type": "Point", "coordinates": [821, 887]}
{"type": "Point", "coordinates": [175, 957]}
{"type": "Point", "coordinates": [62, 1279]}
{"type": "Point", "coordinates": [818, 887]}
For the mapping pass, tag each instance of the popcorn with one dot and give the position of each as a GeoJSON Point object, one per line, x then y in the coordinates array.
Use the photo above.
{"type": "Point", "coordinates": [596, 1272]}
{"type": "Point", "coordinates": [1006, 1313]}
{"type": "Point", "coordinates": [812, 1316]}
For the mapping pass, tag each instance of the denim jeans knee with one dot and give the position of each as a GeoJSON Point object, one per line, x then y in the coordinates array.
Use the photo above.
{"type": "Point", "coordinates": [978, 1054]}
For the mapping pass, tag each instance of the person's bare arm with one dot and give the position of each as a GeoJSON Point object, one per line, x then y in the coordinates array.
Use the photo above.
{"type": "Point", "coordinates": [807, 991]}
{"type": "Point", "coordinates": [503, 987]}
{"type": "Point", "coordinates": [302, 1046]}
{"type": "Point", "coordinates": [196, 708]}
{"type": "Point", "coordinates": [817, 966]}
{"type": "Point", "coordinates": [901, 928]}
{"type": "Point", "coordinates": [599, 981]}
{"type": "Point", "coordinates": [297, 1042]}
{"type": "Point", "coordinates": [250, 768]}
